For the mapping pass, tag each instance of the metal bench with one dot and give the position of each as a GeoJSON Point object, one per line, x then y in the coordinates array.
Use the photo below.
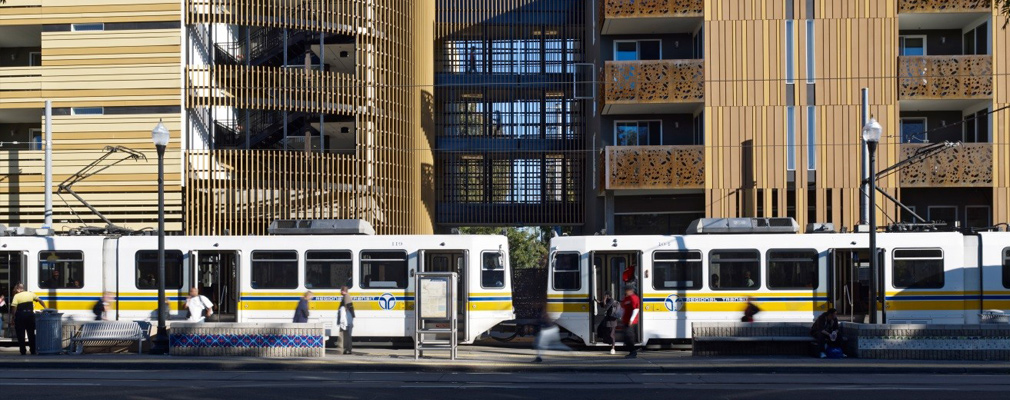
{"type": "Point", "coordinates": [104, 331]}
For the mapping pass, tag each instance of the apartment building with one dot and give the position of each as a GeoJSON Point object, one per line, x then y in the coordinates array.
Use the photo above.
{"type": "Point", "coordinates": [734, 108]}
{"type": "Point", "coordinates": [277, 109]}
{"type": "Point", "coordinates": [618, 116]}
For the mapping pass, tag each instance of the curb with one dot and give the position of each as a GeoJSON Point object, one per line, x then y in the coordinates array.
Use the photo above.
{"type": "Point", "coordinates": [409, 366]}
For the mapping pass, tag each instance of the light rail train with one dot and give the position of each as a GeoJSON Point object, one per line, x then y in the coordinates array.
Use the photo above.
{"type": "Point", "coordinates": [927, 278]}
{"type": "Point", "coordinates": [261, 278]}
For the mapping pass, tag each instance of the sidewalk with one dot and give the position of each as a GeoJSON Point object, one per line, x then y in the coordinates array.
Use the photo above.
{"type": "Point", "coordinates": [502, 359]}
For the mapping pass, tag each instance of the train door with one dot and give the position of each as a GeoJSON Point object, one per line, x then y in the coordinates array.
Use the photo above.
{"type": "Point", "coordinates": [612, 272]}
{"type": "Point", "coordinates": [12, 272]}
{"type": "Point", "coordinates": [849, 284]}
{"type": "Point", "coordinates": [452, 261]}
{"type": "Point", "coordinates": [215, 274]}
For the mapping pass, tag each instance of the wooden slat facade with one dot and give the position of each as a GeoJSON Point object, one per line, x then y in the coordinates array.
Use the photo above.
{"type": "Point", "coordinates": [114, 69]}
{"type": "Point", "coordinates": [386, 179]}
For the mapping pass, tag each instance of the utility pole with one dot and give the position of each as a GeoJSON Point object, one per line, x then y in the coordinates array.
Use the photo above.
{"type": "Point", "coordinates": [48, 212]}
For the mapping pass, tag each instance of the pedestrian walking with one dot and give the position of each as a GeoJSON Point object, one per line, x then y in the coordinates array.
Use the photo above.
{"type": "Point", "coordinates": [3, 315]}
{"type": "Point", "coordinates": [101, 306]}
{"type": "Point", "coordinates": [608, 325]}
{"type": "Point", "coordinates": [198, 306]}
{"type": "Point", "coordinates": [749, 311]}
{"type": "Point", "coordinates": [629, 311]}
{"type": "Point", "coordinates": [548, 337]}
{"type": "Point", "coordinates": [302, 311]}
{"type": "Point", "coordinates": [345, 320]}
{"type": "Point", "coordinates": [23, 307]}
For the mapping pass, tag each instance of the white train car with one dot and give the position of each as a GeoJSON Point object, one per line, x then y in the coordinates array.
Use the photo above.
{"type": "Point", "coordinates": [66, 272]}
{"type": "Point", "coordinates": [994, 274]}
{"type": "Point", "coordinates": [261, 278]}
{"type": "Point", "coordinates": [790, 277]}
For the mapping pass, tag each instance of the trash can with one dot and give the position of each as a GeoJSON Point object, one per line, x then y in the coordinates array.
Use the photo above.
{"type": "Point", "coordinates": [49, 332]}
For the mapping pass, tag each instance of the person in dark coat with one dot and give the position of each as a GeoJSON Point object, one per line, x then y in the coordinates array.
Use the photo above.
{"type": "Point", "coordinates": [749, 311]}
{"type": "Point", "coordinates": [302, 311]}
{"type": "Point", "coordinates": [608, 325]}
{"type": "Point", "coordinates": [825, 330]}
{"type": "Point", "coordinates": [101, 306]}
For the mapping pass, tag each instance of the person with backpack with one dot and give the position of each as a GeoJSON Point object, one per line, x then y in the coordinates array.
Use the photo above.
{"type": "Point", "coordinates": [825, 331]}
{"type": "Point", "coordinates": [608, 325]}
{"type": "Point", "coordinates": [198, 306]}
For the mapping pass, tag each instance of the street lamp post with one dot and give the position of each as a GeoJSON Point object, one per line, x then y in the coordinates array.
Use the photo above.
{"type": "Point", "coordinates": [160, 137]}
{"type": "Point", "coordinates": [871, 136]}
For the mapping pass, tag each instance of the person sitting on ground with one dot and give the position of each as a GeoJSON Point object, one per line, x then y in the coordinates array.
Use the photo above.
{"type": "Point", "coordinates": [825, 331]}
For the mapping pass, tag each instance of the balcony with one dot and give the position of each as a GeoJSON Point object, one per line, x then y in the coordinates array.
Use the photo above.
{"type": "Point", "coordinates": [21, 86]}
{"type": "Point", "coordinates": [944, 6]}
{"type": "Point", "coordinates": [945, 77]}
{"type": "Point", "coordinates": [655, 86]}
{"type": "Point", "coordinates": [654, 167]}
{"type": "Point", "coordinates": [968, 165]}
{"type": "Point", "coordinates": [622, 17]}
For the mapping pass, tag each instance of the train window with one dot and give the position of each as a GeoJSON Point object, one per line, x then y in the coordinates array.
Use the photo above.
{"type": "Point", "coordinates": [61, 269]}
{"type": "Point", "coordinates": [1006, 268]}
{"type": "Point", "coordinates": [275, 269]}
{"type": "Point", "coordinates": [326, 269]}
{"type": "Point", "coordinates": [492, 271]}
{"type": "Point", "coordinates": [735, 269]}
{"type": "Point", "coordinates": [147, 269]}
{"type": "Point", "coordinates": [567, 275]}
{"type": "Point", "coordinates": [676, 270]}
{"type": "Point", "coordinates": [383, 270]}
{"type": "Point", "coordinates": [918, 268]}
{"type": "Point", "coordinates": [792, 269]}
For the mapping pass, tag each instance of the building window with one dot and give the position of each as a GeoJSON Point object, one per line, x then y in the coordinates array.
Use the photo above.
{"type": "Point", "coordinates": [791, 138]}
{"type": "Point", "coordinates": [918, 268]}
{"type": "Point", "coordinates": [35, 59]}
{"type": "Point", "coordinates": [976, 40]}
{"type": "Point", "coordinates": [977, 217]}
{"type": "Point", "coordinates": [61, 269]}
{"type": "Point", "coordinates": [492, 270]}
{"type": "Point", "coordinates": [976, 127]}
{"type": "Point", "coordinates": [676, 270]}
{"type": "Point", "coordinates": [638, 133]}
{"type": "Point", "coordinates": [912, 45]}
{"type": "Point", "coordinates": [790, 53]}
{"type": "Point", "coordinates": [811, 138]}
{"type": "Point", "coordinates": [328, 269]}
{"type": "Point", "coordinates": [913, 130]}
{"type": "Point", "coordinates": [147, 269]}
{"type": "Point", "coordinates": [792, 269]}
{"type": "Point", "coordinates": [383, 270]}
{"type": "Point", "coordinates": [635, 50]}
{"type": "Point", "coordinates": [946, 214]}
{"type": "Point", "coordinates": [275, 269]}
{"type": "Point", "coordinates": [735, 269]}
{"type": "Point", "coordinates": [810, 52]}
{"type": "Point", "coordinates": [567, 274]}
{"type": "Point", "coordinates": [88, 27]}
{"type": "Point", "coordinates": [87, 111]}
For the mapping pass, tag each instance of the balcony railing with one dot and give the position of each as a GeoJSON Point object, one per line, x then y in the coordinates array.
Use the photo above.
{"type": "Point", "coordinates": [656, 81]}
{"type": "Point", "coordinates": [945, 77]}
{"type": "Point", "coordinates": [967, 165]}
{"type": "Point", "coordinates": [939, 6]}
{"type": "Point", "coordinates": [655, 167]}
{"type": "Point", "coordinates": [654, 8]}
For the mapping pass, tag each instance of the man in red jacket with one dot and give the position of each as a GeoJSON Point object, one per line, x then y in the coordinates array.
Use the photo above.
{"type": "Point", "coordinates": [629, 308]}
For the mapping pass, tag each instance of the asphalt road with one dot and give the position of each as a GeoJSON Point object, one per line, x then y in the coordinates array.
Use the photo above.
{"type": "Point", "coordinates": [96, 384]}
